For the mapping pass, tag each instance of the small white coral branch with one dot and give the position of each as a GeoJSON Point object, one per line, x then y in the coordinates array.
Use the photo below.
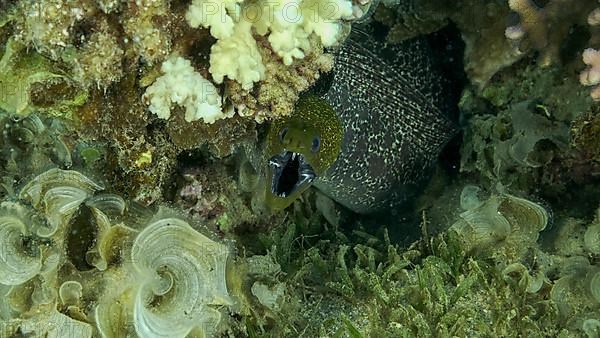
{"type": "Point", "coordinates": [181, 84]}
{"type": "Point", "coordinates": [323, 18]}
{"type": "Point", "coordinates": [237, 57]}
{"type": "Point", "coordinates": [293, 21]}
{"type": "Point", "coordinates": [591, 75]}
{"type": "Point", "coordinates": [594, 17]}
{"type": "Point", "coordinates": [217, 14]}
{"type": "Point", "coordinates": [532, 23]}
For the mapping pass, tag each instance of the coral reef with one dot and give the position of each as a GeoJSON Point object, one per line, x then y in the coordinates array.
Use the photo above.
{"type": "Point", "coordinates": [422, 290]}
{"type": "Point", "coordinates": [481, 25]}
{"type": "Point", "coordinates": [506, 220]}
{"type": "Point", "coordinates": [279, 91]}
{"type": "Point", "coordinates": [106, 65]}
{"type": "Point", "coordinates": [210, 195]}
{"type": "Point", "coordinates": [147, 24]}
{"type": "Point", "coordinates": [544, 29]}
{"type": "Point", "coordinates": [61, 30]}
{"type": "Point", "coordinates": [182, 270]}
{"type": "Point", "coordinates": [110, 111]}
{"type": "Point", "coordinates": [490, 44]}
{"type": "Point", "coordinates": [575, 288]}
{"type": "Point", "coordinates": [49, 26]}
{"type": "Point", "coordinates": [100, 59]}
{"type": "Point", "coordinates": [29, 145]}
{"type": "Point", "coordinates": [30, 82]}
{"type": "Point", "coordinates": [528, 137]}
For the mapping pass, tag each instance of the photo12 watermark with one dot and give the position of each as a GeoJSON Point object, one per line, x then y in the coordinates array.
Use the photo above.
{"type": "Point", "coordinates": [293, 12]}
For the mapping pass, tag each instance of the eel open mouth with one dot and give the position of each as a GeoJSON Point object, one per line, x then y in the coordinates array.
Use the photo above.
{"type": "Point", "coordinates": [291, 173]}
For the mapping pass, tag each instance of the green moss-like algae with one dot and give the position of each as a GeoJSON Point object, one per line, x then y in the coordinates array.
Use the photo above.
{"type": "Point", "coordinates": [30, 82]}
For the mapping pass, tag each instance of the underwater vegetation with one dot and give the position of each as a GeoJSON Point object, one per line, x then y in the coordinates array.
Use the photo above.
{"type": "Point", "coordinates": [212, 168]}
{"type": "Point", "coordinates": [74, 263]}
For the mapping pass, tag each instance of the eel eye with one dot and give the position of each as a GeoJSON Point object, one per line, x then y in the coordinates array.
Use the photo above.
{"type": "Point", "coordinates": [282, 134]}
{"type": "Point", "coordinates": [316, 144]}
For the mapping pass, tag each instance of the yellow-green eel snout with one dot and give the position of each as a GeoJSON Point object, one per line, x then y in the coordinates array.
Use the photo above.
{"type": "Point", "coordinates": [299, 149]}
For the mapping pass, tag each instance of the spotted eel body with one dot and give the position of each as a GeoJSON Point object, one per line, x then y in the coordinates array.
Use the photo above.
{"type": "Point", "coordinates": [395, 123]}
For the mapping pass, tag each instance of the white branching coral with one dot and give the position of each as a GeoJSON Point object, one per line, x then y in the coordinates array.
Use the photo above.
{"type": "Point", "coordinates": [591, 75]}
{"type": "Point", "coordinates": [237, 57]}
{"type": "Point", "coordinates": [545, 28]}
{"type": "Point", "coordinates": [294, 21]}
{"type": "Point", "coordinates": [591, 57]}
{"type": "Point", "coordinates": [181, 84]}
{"type": "Point", "coordinates": [214, 14]}
{"type": "Point", "coordinates": [288, 23]}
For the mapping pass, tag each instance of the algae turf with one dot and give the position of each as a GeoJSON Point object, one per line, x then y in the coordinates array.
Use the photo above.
{"type": "Point", "coordinates": [531, 129]}
{"type": "Point", "coordinates": [360, 285]}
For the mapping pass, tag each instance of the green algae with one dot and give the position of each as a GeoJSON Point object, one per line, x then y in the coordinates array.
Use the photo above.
{"type": "Point", "coordinates": [90, 155]}
{"type": "Point", "coordinates": [31, 82]}
{"type": "Point", "coordinates": [389, 291]}
{"type": "Point", "coordinates": [523, 129]}
{"type": "Point", "coordinates": [561, 97]}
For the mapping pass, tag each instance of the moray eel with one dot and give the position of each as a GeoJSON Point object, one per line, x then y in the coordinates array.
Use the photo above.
{"type": "Point", "coordinates": [371, 138]}
{"type": "Point", "coordinates": [301, 148]}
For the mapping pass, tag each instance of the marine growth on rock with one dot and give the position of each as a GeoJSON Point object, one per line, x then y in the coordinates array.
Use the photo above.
{"type": "Point", "coordinates": [306, 168]}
